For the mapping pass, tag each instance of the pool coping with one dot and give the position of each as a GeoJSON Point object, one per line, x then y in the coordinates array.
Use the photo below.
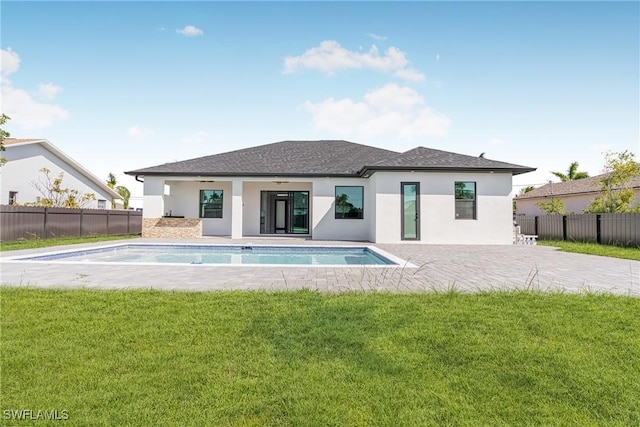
{"type": "Point", "coordinates": [25, 258]}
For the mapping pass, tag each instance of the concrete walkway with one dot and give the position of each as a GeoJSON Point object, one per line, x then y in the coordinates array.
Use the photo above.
{"type": "Point", "coordinates": [440, 267]}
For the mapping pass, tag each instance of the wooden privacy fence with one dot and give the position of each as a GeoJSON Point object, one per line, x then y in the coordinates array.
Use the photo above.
{"type": "Point", "coordinates": [23, 222]}
{"type": "Point", "coordinates": [606, 228]}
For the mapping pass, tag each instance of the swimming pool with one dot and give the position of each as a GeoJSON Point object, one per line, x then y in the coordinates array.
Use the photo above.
{"type": "Point", "coordinates": [255, 255]}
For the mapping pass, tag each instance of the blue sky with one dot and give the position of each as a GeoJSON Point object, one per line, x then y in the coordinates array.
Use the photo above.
{"type": "Point", "coordinates": [125, 85]}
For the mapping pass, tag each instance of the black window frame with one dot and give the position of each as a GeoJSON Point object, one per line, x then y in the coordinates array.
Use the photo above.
{"type": "Point", "coordinates": [342, 214]}
{"type": "Point", "coordinates": [13, 197]}
{"type": "Point", "coordinates": [218, 212]}
{"type": "Point", "coordinates": [461, 201]}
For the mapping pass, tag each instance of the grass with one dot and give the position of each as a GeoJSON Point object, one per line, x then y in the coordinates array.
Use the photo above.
{"type": "Point", "coordinates": [56, 241]}
{"type": "Point", "coordinates": [320, 359]}
{"type": "Point", "coordinates": [594, 249]}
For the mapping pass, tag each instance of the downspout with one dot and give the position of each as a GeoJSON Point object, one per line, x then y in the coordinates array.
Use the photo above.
{"type": "Point", "coordinates": [139, 180]}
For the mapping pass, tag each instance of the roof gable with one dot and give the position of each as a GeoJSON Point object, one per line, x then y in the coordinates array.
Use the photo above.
{"type": "Point", "coordinates": [9, 142]}
{"type": "Point", "coordinates": [432, 159]}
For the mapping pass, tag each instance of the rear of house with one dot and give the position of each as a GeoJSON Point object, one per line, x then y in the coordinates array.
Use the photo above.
{"type": "Point", "coordinates": [332, 190]}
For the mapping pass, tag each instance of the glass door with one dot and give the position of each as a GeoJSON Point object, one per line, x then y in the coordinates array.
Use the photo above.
{"type": "Point", "coordinates": [284, 212]}
{"type": "Point", "coordinates": [410, 195]}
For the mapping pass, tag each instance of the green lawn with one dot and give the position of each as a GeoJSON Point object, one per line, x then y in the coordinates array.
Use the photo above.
{"type": "Point", "coordinates": [594, 249]}
{"type": "Point", "coordinates": [320, 359]}
{"type": "Point", "coordinates": [56, 241]}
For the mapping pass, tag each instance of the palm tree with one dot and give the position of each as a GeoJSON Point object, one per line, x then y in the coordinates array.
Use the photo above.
{"type": "Point", "coordinates": [125, 194]}
{"type": "Point", "coordinates": [572, 173]}
{"type": "Point", "coordinates": [111, 183]}
{"type": "Point", "coordinates": [343, 203]}
{"type": "Point", "coordinates": [527, 189]}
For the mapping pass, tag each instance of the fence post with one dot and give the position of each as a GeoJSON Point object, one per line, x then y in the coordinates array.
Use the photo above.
{"type": "Point", "coordinates": [46, 213]}
{"type": "Point", "coordinates": [564, 227]}
{"type": "Point", "coordinates": [598, 229]}
{"type": "Point", "coordinates": [128, 222]}
{"type": "Point", "coordinates": [535, 226]}
{"type": "Point", "coordinates": [81, 220]}
{"type": "Point", "coordinates": [108, 231]}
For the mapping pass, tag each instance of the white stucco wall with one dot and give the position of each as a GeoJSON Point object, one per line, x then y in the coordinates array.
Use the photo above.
{"type": "Point", "coordinates": [382, 210]}
{"type": "Point", "coordinates": [437, 208]}
{"type": "Point", "coordinates": [325, 225]}
{"type": "Point", "coordinates": [184, 200]}
{"type": "Point", "coordinates": [23, 168]}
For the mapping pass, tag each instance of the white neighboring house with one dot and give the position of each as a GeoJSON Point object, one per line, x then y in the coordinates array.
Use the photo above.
{"type": "Point", "coordinates": [576, 195]}
{"type": "Point", "coordinates": [25, 158]}
{"type": "Point", "coordinates": [335, 190]}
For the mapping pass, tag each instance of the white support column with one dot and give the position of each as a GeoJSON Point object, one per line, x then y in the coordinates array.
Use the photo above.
{"type": "Point", "coordinates": [153, 200]}
{"type": "Point", "coordinates": [236, 209]}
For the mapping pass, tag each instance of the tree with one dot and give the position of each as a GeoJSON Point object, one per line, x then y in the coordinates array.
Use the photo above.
{"type": "Point", "coordinates": [343, 202]}
{"type": "Point", "coordinates": [3, 134]}
{"type": "Point", "coordinates": [572, 173]}
{"type": "Point", "coordinates": [55, 195]}
{"type": "Point", "coordinates": [615, 194]}
{"type": "Point", "coordinates": [554, 206]}
{"type": "Point", "coordinates": [527, 189]}
{"type": "Point", "coordinates": [481, 155]}
{"type": "Point", "coordinates": [111, 183]}
{"type": "Point", "coordinates": [125, 194]}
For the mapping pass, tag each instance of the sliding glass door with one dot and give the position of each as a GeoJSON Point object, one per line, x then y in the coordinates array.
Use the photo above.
{"type": "Point", "coordinates": [284, 212]}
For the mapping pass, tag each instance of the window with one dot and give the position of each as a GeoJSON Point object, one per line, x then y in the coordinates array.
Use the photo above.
{"type": "Point", "coordinates": [210, 203]}
{"type": "Point", "coordinates": [13, 197]}
{"type": "Point", "coordinates": [465, 193]}
{"type": "Point", "coordinates": [349, 202]}
{"type": "Point", "coordinates": [102, 204]}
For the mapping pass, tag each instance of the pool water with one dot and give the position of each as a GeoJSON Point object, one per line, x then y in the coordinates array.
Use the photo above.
{"type": "Point", "coordinates": [221, 254]}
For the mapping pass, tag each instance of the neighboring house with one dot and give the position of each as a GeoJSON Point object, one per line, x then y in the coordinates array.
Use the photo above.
{"type": "Point", "coordinates": [576, 195]}
{"type": "Point", "coordinates": [25, 158]}
{"type": "Point", "coordinates": [333, 190]}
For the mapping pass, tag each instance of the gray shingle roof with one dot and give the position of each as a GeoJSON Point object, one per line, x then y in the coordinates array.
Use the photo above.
{"type": "Point", "coordinates": [322, 158]}
{"type": "Point", "coordinates": [432, 159]}
{"type": "Point", "coordinates": [578, 186]}
{"type": "Point", "coordinates": [279, 158]}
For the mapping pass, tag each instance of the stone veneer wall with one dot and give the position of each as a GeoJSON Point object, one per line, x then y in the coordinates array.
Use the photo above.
{"type": "Point", "coordinates": [180, 228]}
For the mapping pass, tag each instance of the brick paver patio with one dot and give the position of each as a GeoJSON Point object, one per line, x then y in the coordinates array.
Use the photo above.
{"type": "Point", "coordinates": [439, 267]}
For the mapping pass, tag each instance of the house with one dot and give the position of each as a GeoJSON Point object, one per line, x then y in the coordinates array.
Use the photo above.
{"type": "Point", "coordinates": [332, 190]}
{"type": "Point", "coordinates": [576, 195]}
{"type": "Point", "coordinates": [25, 159]}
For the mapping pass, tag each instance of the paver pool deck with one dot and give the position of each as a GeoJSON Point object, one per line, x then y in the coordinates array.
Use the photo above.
{"type": "Point", "coordinates": [439, 267]}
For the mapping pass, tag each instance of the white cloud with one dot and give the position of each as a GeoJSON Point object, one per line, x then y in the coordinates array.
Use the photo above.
{"type": "Point", "coordinates": [410, 75]}
{"type": "Point", "coordinates": [330, 57]}
{"type": "Point", "coordinates": [48, 90]}
{"type": "Point", "coordinates": [18, 104]}
{"type": "Point", "coordinates": [10, 61]}
{"type": "Point", "coordinates": [389, 110]}
{"type": "Point", "coordinates": [377, 37]}
{"type": "Point", "coordinates": [136, 131]}
{"type": "Point", "coordinates": [190, 31]}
